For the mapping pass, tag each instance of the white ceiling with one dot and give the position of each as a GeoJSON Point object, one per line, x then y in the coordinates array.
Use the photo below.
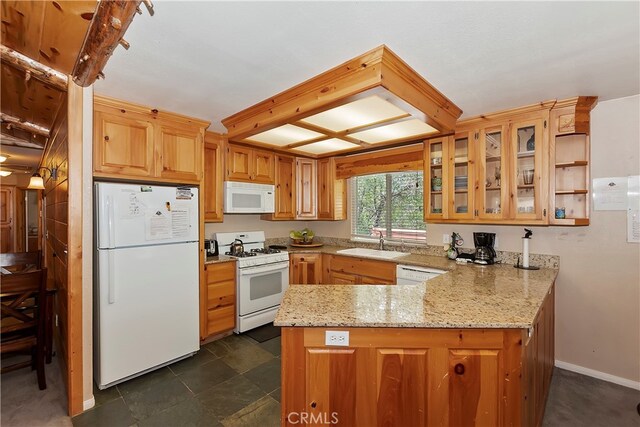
{"type": "Point", "coordinates": [212, 59]}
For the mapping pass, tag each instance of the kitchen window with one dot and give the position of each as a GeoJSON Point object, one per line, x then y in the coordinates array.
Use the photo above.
{"type": "Point", "coordinates": [388, 203]}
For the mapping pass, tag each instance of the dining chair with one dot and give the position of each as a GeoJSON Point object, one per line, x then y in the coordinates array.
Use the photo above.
{"type": "Point", "coordinates": [20, 261]}
{"type": "Point", "coordinates": [22, 327]}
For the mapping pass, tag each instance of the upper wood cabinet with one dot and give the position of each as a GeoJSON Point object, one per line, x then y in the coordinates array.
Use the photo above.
{"type": "Point", "coordinates": [285, 194]}
{"type": "Point", "coordinates": [136, 142]}
{"type": "Point", "coordinates": [494, 169]}
{"type": "Point", "coordinates": [180, 153]}
{"type": "Point", "coordinates": [123, 145]}
{"type": "Point", "coordinates": [332, 192]}
{"type": "Point", "coordinates": [250, 165]}
{"type": "Point", "coordinates": [306, 176]}
{"type": "Point", "coordinates": [214, 145]}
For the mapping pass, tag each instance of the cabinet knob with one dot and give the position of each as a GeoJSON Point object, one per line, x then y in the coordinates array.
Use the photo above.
{"type": "Point", "coordinates": [106, 137]}
{"type": "Point", "coordinates": [459, 369]}
{"type": "Point", "coordinates": [313, 404]}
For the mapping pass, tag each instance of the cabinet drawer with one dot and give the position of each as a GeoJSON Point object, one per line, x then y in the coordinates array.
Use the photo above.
{"type": "Point", "coordinates": [220, 272]}
{"type": "Point", "coordinates": [221, 294]}
{"type": "Point", "coordinates": [376, 269]}
{"type": "Point", "coordinates": [220, 320]}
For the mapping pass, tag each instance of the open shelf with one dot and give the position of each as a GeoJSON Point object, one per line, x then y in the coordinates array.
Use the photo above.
{"type": "Point", "coordinates": [572, 164]}
{"type": "Point", "coordinates": [570, 221]}
{"type": "Point", "coordinates": [491, 188]}
{"type": "Point", "coordinates": [436, 192]}
{"type": "Point", "coordinates": [493, 159]}
{"type": "Point", "coordinates": [526, 187]}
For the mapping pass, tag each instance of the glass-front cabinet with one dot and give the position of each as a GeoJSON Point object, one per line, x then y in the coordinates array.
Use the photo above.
{"type": "Point", "coordinates": [435, 164]}
{"type": "Point", "coordinates": [529, 199]}
{"type": "Point", "coordinates": [461, 176]}
{"type": "Point", "coordinates": [492, 198]}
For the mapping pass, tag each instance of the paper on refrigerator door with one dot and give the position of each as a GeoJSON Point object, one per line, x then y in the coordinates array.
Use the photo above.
{"type": "Point", "coordinates": [633, 209]}
{"type": "Point", "coordinates": [158, 225]}
{"type": "Point", "coordinates": [180, 222]}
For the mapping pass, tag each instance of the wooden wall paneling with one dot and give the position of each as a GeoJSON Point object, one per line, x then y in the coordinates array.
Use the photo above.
{"type": "Point", "coordinates": [19, 215]}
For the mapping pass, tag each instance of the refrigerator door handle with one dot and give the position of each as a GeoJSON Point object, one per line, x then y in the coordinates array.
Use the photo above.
{"type": "Point", "coordinates": [111, 215]}
{"type": "Point", "coordinates": [111, 284]}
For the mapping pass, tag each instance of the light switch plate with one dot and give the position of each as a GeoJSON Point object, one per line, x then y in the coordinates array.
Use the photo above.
{"type": "Point", "coordinates": [336, 338]}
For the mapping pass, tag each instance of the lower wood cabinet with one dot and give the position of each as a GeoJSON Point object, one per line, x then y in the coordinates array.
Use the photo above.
{"type": "Point", "coordinates": [344, 270]}
{"type": "Point", "coordinates": [305, 269]}
{"type": "Point", "coordinates": [419, 376]}
{"type": "Point", "coordinates": [219, 297]}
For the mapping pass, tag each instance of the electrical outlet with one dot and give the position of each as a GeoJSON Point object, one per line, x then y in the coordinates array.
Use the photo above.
{"type": "Point", "coordinates": [446, 238]}
{"type": "Point", "coordinates": [336, 338]}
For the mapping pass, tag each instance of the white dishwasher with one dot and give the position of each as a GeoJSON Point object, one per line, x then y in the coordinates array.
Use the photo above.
{"type": "Point", "coordinates": [413, 275]}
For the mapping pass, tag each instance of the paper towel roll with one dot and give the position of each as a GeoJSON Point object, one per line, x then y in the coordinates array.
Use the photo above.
{"type": "Point", "coordinates": [525, 252]}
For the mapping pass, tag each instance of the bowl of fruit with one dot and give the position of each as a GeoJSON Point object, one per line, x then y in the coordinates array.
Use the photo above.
{"type": "Point", "coordinates": [302, 237]}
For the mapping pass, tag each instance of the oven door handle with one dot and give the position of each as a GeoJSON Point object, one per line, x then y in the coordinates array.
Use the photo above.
{"type": "Point", "coordinates": [263, 269]}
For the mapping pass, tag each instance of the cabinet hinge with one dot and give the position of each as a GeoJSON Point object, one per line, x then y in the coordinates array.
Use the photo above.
{"type": "Point", "coordinates": [544, 212]}
{"type": "Point", "coordinates": [545, 124]}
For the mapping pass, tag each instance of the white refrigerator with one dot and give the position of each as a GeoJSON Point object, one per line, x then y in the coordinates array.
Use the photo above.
{"type": "Point", "coordinates": [146, 300]}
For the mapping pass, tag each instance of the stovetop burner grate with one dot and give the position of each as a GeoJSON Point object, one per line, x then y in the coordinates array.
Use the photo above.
{"type": "Point", "coordinates": [241, 254]}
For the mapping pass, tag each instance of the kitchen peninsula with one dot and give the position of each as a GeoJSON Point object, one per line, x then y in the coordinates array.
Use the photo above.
{"type": "Point", "coordinates": [473, 346]}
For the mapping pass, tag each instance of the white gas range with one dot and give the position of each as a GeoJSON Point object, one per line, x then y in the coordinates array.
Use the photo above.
{"type": "Point", "coordinates": [262, 278]}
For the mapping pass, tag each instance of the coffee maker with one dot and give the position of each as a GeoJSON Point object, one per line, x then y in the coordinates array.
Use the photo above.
{"type": "Point", "coordinates": [485, 254]}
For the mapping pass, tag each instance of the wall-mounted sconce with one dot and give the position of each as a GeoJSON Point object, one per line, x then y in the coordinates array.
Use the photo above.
{"type": "Point", "coordinates": [37, 182]}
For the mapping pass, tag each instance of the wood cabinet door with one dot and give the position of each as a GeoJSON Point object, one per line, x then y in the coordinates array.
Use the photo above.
{"type": "Point", "coordinates": [340, 278]}
{"type": "Point", "coordinates": [436, 170]}
{"type": "Point", "coordinates": [306, 188]}
{"type": "Point", "coordinates": [213, 177]}
{"type": "Point", "coordinates": [528, 174]}
{"type": "Point", "coordinates": [285, 187]}
{"type": "Point", "coordinates": [179, 153]}
{"type": "Point", "coordinates": [123, 145]}
{"type": "Point", "coordinates": [492, 197]}
{"type": "Point", "coordinates": [263, 167]}
{"type": "Point", "coordinates": [305, 269]}
{"type": "Point", "coordinates": [475, 387]}
{"type": "Point", "coordinates": [7, 213]}
{"type": "Point", "coordinates": [326, 177]}
{"type": "Point", "coordinates": [239, 163]}
{"type": "Point", "coordinates": [462, 179]}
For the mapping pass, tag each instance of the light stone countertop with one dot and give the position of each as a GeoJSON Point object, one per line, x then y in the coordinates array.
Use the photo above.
{"type": "Point", "coordinates": [219, 258]}
{"type": "Point", "coordinates": [467, 296]}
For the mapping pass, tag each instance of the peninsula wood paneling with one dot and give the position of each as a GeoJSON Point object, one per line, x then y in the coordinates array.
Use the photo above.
{"type": "Point", "coordinates": [407, 377]}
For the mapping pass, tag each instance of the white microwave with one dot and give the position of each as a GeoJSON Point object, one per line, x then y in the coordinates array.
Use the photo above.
{"type": "Point", "coordinates": [246, 197]}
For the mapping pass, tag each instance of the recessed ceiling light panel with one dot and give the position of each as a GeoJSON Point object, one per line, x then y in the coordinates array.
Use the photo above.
{"type": "Point", "coordinates": [285, 135]}
{"type": "Point", "coordinates": [327, 146]}
{"type": "Point", "coordinates": [395, 131]}
{"type": "Point", "coordinates": [362, 112]}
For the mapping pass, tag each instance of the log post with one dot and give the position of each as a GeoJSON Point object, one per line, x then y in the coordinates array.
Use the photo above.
{"type": "Point", "coordinates": [33, 68]}
{"type": "Point", "coordinates": [109, 23]}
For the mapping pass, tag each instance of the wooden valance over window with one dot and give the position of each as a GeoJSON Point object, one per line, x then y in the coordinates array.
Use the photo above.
{"type": "Point", "coordinates": [407, 158]}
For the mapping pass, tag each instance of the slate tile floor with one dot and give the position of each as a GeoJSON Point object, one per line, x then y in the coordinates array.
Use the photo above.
{"type": "Point", "coordinates": [231, 382]}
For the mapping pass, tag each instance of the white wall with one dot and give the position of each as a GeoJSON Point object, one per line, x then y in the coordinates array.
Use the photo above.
{"type": "Point", "coordinates": [598, 287]}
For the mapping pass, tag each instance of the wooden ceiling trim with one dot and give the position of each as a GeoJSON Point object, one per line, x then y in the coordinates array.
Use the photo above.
{"type": "Point", "coordinates": [24, 125]}
{"type": "Point", "coordinates": [110, 22]}
{"type": "Point", "coordinates": [328, 134]}
{"type": "Point", "coordinates": [33, 68]}
{"type": "Point", "coordinates": [406, 158]}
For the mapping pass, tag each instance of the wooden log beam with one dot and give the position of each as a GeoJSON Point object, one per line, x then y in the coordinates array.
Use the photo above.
{"type": "Point", "coordinates": [33, 68]}
{"type": "Point", "coordinates": [24, 125]}
{"type": "Point", "coordinates": [19, 142]}
{"type": "Point", "coordinates": [109, 23]}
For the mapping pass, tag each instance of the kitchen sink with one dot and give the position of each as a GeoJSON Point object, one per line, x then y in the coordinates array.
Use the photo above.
{"type": "Point", "coordinates": [371, 253]}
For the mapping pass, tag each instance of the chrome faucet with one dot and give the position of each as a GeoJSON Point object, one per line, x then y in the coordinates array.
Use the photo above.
{"type": "Point", "coordinates": [381, 245]}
